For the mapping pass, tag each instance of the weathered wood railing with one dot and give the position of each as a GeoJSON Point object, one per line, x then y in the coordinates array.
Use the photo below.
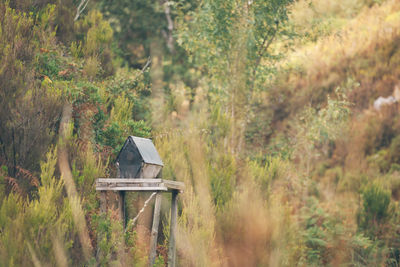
{"type": "Point", "coordinates": [137, 184]}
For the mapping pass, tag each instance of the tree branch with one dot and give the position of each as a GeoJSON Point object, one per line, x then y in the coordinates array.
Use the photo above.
{"type": "Point", "coordinates": [144, 68]}
{"type": "Point", "coordinates": [263, 48]}
{"type": "Point", "coordinates": [146, 65]}
{"type": "Point", "coordinates": [81, 8]}
{"type": "Point", "coordinates": [168, 36]}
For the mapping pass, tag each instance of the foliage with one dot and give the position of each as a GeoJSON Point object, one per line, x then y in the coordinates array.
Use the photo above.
{"type": "Point", "coordinates": [284, 159]}
{"type": "Point", "coordinates": [315, 130]}
{"type": "Point", "coordinates": [37, 231]}
{"type": "Point", "coordinates": [265, 173]}
{"type": "Point", "coordinates": [94, 40]}
{"type": "Point", "coordinates": [229, 40]}
{"type": "Point", "coordinates": [222, 169]}
{"type": "Point", "coordinates": [376, 210]}
{"type": "Point", "coordinates": [37, 221]}
{"type": "Point", "coordinates": [137, 25]}
{"type": "Point", "coordinates": [29, 108]}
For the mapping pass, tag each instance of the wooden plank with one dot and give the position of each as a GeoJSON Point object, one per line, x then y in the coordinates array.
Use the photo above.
{"type": "Point", "coordinates": [132, 188]}
{"type": "Point", "coordinates": [154, 230]}
{"type": "Point", "coordinates": [128, 180]}
{"type": "Point", "coordinates": [174, 185]}
{"type": "Point", "coordinates": [116, 182]}
{"type": "Point", "coordinates": [174, 215]}
{"type": "Point", "coordinates": [138, 181]}
{"type": "Point", "coordinates": [129, 185]}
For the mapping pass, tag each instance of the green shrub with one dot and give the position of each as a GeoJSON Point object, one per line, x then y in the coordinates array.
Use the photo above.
{"type": "Point", "coordinates": [222, 168]}
{"type": "Point", "coordinates": [49, 65]}
{"type": "Point", "coordinates": [380, 160]}
{"type": "Point", "coordinates": [29, 108]}
{"type": "Point", "coordinates": [115, 134]}
{"type": "Point", "coordinates": [375, 211]}
{"type": "Point", "coordinates": [394, 150]}
{"type": "Point", "coordinates": [317, 230]}
{"type": "Point", "coordinates": [265, 173]}
{"type": "Point", "coordinates": [94, 37]}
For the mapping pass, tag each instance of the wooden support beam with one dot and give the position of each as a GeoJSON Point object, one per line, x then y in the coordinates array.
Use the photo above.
{"type": "Point", "coordinates": [154, 230]}
{"type": "Point", "coordinates": [132, 188]}
{"type": "Point", "coordinates": [174, 217]}
{"type": "Point", "coordinates": [103, 210]}
{"type": "Point", "coordinates": [103, 201]}
{"type": "Point", "coordinates": [174, 185]}
{"type": "Point", "coordinates": [121, 206]}
{"type": "Point", "coordinates": [120, 184]}
{"type": "Point", "coordinates": [127, 180]}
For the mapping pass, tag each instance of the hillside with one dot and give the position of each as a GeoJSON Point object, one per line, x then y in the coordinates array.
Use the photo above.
{"type": "Point", "coordinates": [267, 111]}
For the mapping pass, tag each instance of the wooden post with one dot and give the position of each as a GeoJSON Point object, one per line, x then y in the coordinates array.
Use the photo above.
{"type": "Point", "coordinates": [174, 215]}
{"type": "Point", "coordinates": [103, 210]}
{"type": "Point", "coordinates": [154, 229]}
{"type": "Point", "coordinates": [121, 214]}
{"type": "Point", "coordinates": [121, 200]}
{"type": "Point", "coordinates": [103, 201]}
{"type": "Point", "coordinates": [121, 206]}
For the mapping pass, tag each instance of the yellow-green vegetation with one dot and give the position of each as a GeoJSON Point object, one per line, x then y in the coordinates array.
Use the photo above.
{"type": "Point", "coordinates": [264, 109]}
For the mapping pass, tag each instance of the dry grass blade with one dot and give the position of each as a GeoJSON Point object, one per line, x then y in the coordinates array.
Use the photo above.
{"type": "Point", "coordinates": [35, 259]}
{"type": "Point", "coordinates": [66, 174]}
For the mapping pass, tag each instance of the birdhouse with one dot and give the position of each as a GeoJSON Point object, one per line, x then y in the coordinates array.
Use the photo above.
{"type": "Point", "coordinates": [138, 158]}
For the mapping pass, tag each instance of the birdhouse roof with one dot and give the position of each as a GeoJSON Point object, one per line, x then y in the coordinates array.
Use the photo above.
{"type": "Point", "coordinates": [146, 149]}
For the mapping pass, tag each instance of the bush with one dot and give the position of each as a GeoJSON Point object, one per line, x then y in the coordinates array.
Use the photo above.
{"type": "Point", "coordinates": [376, 210]}
{"type": "Point", "coordinates": [222, 170]}
{"type": "Point", "coordinates": [29, 108]}
{"type": "Point", "coordinates": [265, 173]}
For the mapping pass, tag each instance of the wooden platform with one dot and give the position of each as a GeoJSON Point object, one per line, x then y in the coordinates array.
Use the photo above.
{"type": "Point", "coordinates": [121, 185]}
{"type": "Point", "coordinates": [138, 184]}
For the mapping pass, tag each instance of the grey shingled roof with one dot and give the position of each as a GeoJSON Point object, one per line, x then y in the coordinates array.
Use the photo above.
{"type": "Point", "coordinates": [147, 150]}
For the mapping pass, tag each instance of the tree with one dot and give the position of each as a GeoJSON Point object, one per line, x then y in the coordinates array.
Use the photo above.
{"type": "Point", "coordinates": [138, 24]}
{"type": "Point", "coordinates": [29, 108]}
{"type": "Point", "coordinates": [231, 41]}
